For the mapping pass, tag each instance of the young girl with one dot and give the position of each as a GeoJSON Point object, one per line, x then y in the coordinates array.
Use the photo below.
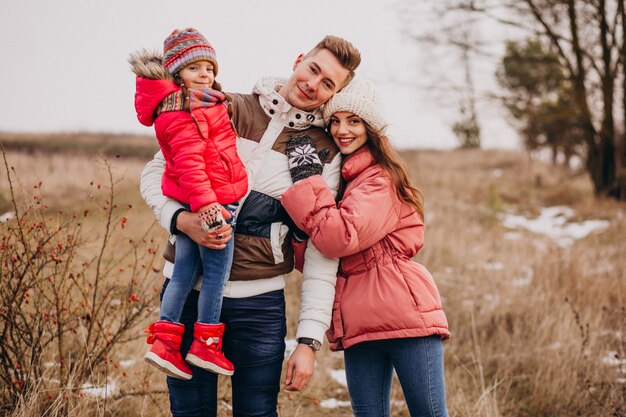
{"type": "Point", "coordinates": [204, 172]}
{"type": "Point", "coordinates": [387, 312]}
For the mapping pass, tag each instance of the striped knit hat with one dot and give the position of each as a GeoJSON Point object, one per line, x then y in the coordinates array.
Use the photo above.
{"type": "Point", "coordinates": [182, 48]}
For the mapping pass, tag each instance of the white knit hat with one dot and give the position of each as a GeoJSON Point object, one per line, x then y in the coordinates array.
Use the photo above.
{"type": "Point", "coordinates": [360, 98]}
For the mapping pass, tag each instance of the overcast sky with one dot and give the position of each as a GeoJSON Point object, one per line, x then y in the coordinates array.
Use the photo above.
{"type": "Point", "coordinates": [64, 63]}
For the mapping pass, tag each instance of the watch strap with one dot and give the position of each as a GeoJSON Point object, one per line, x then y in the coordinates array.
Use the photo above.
{"type": "Point", "coordinates": [312, 343]}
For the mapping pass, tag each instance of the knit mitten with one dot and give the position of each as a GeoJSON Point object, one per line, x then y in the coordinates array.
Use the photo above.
{"type": "Point", "coordinates": [303, 159]}
{"type": "Point", "coordinates": [211, 217]}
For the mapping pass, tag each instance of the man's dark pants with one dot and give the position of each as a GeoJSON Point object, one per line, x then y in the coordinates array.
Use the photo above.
{"type": "Point", "coordinates": [254, 341]}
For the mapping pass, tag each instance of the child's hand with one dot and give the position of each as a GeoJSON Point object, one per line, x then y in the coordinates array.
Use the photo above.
{"type": "Point", "coordinates": [213, 217]}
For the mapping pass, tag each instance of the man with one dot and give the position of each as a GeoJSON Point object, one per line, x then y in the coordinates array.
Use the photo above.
{"type": "Point", "coordinates": [254, 306]}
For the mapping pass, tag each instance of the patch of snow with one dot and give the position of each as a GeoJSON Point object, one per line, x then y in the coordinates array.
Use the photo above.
{"type": "Point", "coordinates": [334, 403]}
{"type": "Point", "coordinates": [553, 222]}
{"type": "Point", "coordinates": [7, 216]}
{"type": "Point", "coordinates": [103, 391]}
{"type": "Point", "coordinates": [339, 375]}
{"type": "Point", "coordinates": [612, 359]}
{"type": "Point", "coordinates": [493, 266]}
{"type": "Point", "coordinates": [127, 363]}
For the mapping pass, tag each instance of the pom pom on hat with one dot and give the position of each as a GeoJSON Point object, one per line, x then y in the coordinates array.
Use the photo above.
{"type": "Point", "coordinates": [184, 47]}
{"type": "Point", "coordinates": [360, 98]}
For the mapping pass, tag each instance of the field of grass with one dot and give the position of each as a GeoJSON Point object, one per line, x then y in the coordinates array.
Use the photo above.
{"type": "Point", "coordinates": [537, 317]}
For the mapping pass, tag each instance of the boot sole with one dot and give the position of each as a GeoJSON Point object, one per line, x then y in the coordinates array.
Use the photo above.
{"type": "Point", "coordinates": [207, 366]}
{"type": "Point", "coordinates": [166, 366]}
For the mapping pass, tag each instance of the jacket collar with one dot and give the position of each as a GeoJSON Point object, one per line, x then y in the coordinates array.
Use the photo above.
{"type": "Point", "coordinates": [276, 107]}
{"type": "Point", "coordinates": [356, 163]}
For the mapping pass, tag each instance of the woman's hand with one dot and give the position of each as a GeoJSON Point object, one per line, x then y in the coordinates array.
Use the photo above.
{"type": "Point", "coordinates": [189, 223]}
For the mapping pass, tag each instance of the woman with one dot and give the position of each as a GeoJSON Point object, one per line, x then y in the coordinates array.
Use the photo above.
{"type": "Point", "coordinates": [387, 312]}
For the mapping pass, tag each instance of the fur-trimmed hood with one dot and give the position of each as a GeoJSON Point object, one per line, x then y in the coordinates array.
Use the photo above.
{"type": "Point", "coordinates": [148, 64]}
{"type": "Point", "coordinates": [153, 84]}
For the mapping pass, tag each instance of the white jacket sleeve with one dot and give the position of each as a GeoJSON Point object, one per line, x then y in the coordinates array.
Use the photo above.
{"type": "Point", "coordinates": [150, 187]}
{"type": "Point", "coordinates": [320, 275]}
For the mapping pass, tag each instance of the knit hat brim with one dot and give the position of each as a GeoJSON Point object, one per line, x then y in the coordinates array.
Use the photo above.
{"type": "Point", "coordinates": [359, 98]}
{"type": "Point", "coordinates": [182, 48]}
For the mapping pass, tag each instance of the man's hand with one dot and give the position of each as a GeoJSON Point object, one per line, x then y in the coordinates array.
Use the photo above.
{"type": "Point", "coordinates": [189, 224]}
{"type": "Point", "coordinates": [299, 368]}
{"type": "Point", "coordinates": [303, 158]}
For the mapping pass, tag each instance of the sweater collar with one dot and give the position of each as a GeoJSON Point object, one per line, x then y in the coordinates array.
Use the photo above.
{"type": "Point", "coordinates": [276, 107]}
{"type": "Point", "coordinates": [356, 163]}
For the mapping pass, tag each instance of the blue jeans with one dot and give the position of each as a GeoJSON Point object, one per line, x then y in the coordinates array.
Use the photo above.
{"type": "Point", "coordinates": [418, 362]}
{"type": "Point", "coordinates": [193, 260]}
{"type": "Point", "coordinates": [254, 341]}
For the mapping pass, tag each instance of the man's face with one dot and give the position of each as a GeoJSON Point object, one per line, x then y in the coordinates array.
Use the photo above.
{"type": "Point", "coordinates": [315, 79]}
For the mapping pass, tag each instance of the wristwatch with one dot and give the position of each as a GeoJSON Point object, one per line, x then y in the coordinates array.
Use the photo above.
{"type": "Point", "coordinates": [312, 343]}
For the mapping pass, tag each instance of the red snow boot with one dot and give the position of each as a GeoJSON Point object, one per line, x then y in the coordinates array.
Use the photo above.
{"type": "Point", "coordinates": [165, 338]}
{"type": "Point", "coordinates": [206, 349]}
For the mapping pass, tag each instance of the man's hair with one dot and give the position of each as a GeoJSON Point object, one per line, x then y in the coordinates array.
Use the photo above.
{"type": "Point", "coordinates": [348, 56]}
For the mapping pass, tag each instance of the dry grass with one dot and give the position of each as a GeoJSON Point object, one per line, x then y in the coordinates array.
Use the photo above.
{"type": "Point", "coordinates": [547, 348]}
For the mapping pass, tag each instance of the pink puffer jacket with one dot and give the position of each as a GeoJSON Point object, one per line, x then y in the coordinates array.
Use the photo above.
{"type": "Point", "coordinates": [381, 293]}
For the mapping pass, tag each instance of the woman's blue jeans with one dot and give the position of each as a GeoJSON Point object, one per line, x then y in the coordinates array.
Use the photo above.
{"type": "Point", "coordinates": [418, 362]}
{"type": "Point", "coordinates": [254, 341]}
{"type": "Point", "coordinates": [192, 261]}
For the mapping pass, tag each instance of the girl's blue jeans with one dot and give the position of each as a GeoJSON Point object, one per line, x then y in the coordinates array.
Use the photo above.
{"type": "Point", "coordinates": [193, 261]}
{"type": "Point", "coordinates": [418, 362]}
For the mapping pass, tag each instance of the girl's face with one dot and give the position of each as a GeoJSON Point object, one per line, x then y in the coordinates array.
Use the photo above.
{"type": "Point", "coordinates": [198, 75]}
{"type": "Point", "coordinates": [348, 131]}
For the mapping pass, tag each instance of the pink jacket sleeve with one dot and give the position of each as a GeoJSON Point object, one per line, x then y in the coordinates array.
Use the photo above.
{"type": "Point", "coordinates": [366, 215]}
{"type": "Point", "coordinates": [188, 146]}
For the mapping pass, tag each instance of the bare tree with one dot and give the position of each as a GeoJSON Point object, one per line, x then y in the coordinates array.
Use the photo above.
{"type": "Point", "coordinates": [458, 36]}
{"type": "Point", "coordinates": [588, 37]}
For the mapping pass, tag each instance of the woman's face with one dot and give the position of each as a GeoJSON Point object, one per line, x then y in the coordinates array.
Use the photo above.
{"type": "Point", "coordinates": [348, 131]}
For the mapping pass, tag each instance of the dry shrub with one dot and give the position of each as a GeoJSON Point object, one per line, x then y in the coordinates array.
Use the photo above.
{"type": "Point", "coordinates": [71, 297]}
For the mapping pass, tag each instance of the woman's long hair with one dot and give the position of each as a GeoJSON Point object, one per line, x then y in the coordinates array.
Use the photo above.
{"type": "Point", "coordinates": [384, 154]}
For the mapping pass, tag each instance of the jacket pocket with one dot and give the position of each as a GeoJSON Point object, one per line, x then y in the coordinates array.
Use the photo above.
{"type": "Point", "coordinates": [335, 332]}
{"type": "Point", "coordinates": [278, 233]}
{"type": "Point", "coordinates": [227, 165]}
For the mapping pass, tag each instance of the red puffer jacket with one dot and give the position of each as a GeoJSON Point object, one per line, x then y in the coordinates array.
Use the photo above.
{"type": "Point", "coordinates": [202, 165]}
{"type": "Point", "coordinates": [381, 293]}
